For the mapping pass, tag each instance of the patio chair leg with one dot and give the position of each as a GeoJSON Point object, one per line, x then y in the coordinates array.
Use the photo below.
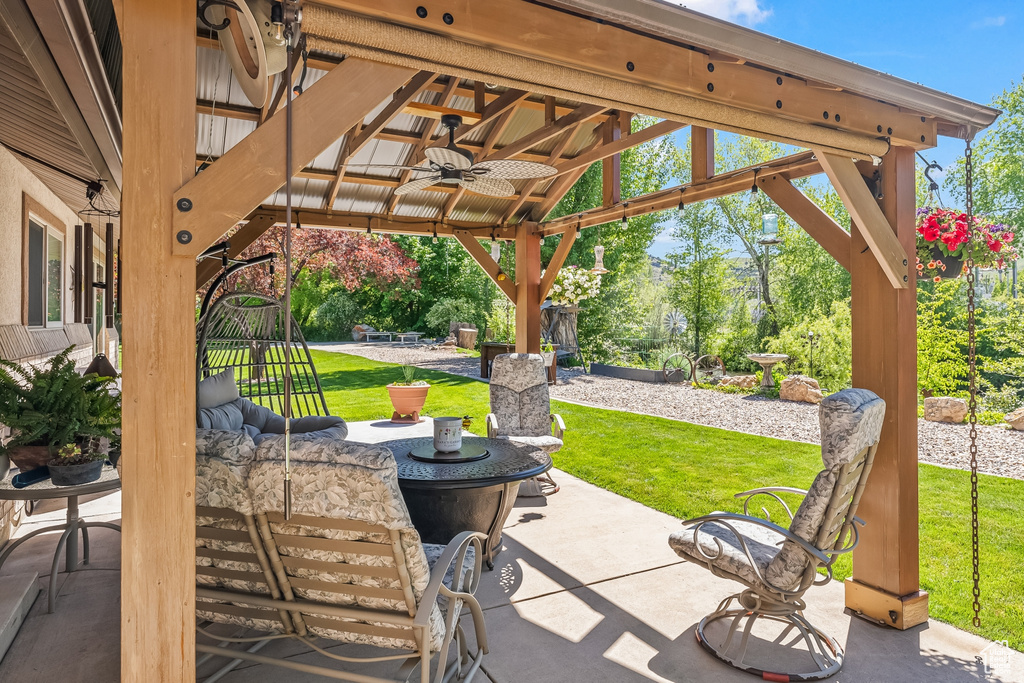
{"type": "Point", "coordinates": [230, 666]}
{"type": "Point", "coordinates": [85, 543]}
{"type": "Point", "coordinates": [823, 650]}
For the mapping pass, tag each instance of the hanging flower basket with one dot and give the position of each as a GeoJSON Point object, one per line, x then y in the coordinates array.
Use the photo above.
{"type": "Point", "coordinates": [573, 285]}
{"type": "Point", "coordinates": [942, 243]}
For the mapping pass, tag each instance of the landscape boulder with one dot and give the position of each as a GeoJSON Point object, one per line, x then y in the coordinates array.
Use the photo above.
{"type": "Point", "coordinates": [739, 381]}
{"type": "Point", "coordinates": [945, 409]}
{"type": "Point", "coordinates": [359, 332]}
{"type": "Point", "coordinates": [800, 388]}
{"type": "Point", "coordinates": [1016, 419]}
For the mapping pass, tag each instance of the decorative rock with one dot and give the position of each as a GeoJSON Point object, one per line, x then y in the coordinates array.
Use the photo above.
{"type": "Point", "coordinates": [945, 409]}
{"type": "Point", "coordinates": [359, 332]}
{"type": "Point", "coordinates": [1016, 419]}
{"type": "Point", "coordinates": [800, 388]}
{"type": "Point", "coordinates": [740, 381]}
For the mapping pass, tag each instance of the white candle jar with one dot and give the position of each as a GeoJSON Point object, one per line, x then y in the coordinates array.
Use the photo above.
{"type": "Point", "coordinates": [447, 434]}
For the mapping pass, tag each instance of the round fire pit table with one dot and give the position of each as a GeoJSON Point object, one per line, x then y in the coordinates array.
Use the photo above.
{"type": "Point", "coordinates": [767, 361]}
{"type": "Point", "coordinates": [447, 498]}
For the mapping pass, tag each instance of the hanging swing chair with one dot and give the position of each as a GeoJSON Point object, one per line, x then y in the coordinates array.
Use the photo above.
{"type": "Point", "coordinates": [245, 332]}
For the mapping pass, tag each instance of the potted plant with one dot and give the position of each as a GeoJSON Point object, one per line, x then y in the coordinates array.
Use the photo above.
{"type": "Point", "coordinates": [51, 407]}
{"type": "Point", "coordinates": [408, 396]}
{"type": "Point", "coordinates": [942, 243]}
{"type": "Point", "coordinates": [548, 352]}
{"type": "Point", "coordinates": [70, 466]}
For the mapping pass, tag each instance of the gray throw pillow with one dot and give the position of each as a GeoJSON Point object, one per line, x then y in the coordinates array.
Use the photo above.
{"type": "Point", "coordinates": [218, 390]}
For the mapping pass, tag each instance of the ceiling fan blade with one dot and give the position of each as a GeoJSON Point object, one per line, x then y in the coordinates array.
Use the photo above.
{"type": "Point", "coordinates": [513, 169]}
{"type": "Point", "coordinates": [448, 158]}
{"type": "Point", "coordinates": [491, 187]}
{"type": "Point", "coordinates": [414, 185]}
{"type": "Point", "coordinates": [425, 169]}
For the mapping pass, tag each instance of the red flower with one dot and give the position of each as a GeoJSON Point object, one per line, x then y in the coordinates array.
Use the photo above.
{"type": "Point", "coordinates": [930, 233]}
{"type": "Point", "coordinates": [995, 245]}
{"type": "Point", "coordinates": [951, 240]}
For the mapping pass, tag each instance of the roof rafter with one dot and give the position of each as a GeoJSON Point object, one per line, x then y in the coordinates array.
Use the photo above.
{"type": "Point", "coordinates": [531, 185]}
{"type": "Point", "coordinates": [354, 143]}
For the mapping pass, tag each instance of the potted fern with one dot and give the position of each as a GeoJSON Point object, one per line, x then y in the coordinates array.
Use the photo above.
{"type": "Point", "coordinates": [408, 396]}
{"type": "Point", "coordinates": [53, 411]}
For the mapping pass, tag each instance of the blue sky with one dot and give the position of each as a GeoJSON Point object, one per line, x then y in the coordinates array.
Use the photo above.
{"type": "Point", "coordinates": [971, 49]}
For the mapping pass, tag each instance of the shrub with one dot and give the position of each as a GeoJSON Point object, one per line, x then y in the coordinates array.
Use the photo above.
{"type": "Point", "coordinates": [334, 318]}
{"type": "Point", "coordinates": [446, 311]}
{"type": "Point", "coordinates": [502, 320]}
{"type": "Point", "coordinates": [832, 356]}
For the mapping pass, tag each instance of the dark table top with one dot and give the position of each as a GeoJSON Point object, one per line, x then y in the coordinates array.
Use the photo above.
{"type": "Point", "coordinates": [507, 462]}
{"type": "Point", "coordinates": [108, 481]}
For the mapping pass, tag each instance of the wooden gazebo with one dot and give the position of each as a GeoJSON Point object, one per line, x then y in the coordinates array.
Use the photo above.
{"type": "Point", "coordinates": [556, 82]}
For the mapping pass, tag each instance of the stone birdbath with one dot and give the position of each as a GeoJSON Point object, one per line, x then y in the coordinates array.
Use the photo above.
{"type": "Point", "coordinates": [766, 361]}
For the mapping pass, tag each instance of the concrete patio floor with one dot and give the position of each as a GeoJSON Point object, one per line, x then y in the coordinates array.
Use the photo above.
{"type": "Point", "coordinates": [586, 589]}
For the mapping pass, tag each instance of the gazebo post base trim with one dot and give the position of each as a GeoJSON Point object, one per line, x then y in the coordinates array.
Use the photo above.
{"type": "Point", "coordinates": [878, 606]}
{"type": "Point", "coordinates": [825, 650]}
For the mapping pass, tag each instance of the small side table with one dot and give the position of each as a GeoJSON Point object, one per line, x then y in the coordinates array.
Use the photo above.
{"type": "Point", "coordinates": [108, 481]}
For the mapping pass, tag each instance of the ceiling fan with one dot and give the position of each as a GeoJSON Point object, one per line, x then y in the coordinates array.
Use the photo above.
{"type": "Point", "coordinates": [454, 165]}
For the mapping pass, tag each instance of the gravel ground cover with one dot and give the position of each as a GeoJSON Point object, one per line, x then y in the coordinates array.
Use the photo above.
{"type": "Point", "coordinates": [1000, 451]}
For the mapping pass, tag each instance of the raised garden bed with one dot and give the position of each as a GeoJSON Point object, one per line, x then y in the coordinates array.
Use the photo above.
{"type": "Point", "coordinates": [621, 372]}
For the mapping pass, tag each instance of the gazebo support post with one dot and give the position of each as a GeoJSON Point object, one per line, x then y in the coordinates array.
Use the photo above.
{"type": "Point", "coordinates": [527, 288]}
{"type": "Point", "coordinates": [885, 585]}
{"type": "Point", "coordinates": [158, 471]}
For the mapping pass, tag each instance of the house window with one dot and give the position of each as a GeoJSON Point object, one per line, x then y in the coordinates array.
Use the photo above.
{"type": "Point", "coordinates": [43, 282]}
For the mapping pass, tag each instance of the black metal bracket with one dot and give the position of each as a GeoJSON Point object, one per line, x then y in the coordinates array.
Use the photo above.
{"type": "Point", "coordinates": [204, 5]}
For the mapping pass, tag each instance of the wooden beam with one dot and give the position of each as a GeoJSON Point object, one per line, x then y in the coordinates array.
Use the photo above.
{"type": "Point", "coordinates": [611, 166]}
{"type": "Point", "coordinates": [235, 184]}
{"type": "Point", "coordinates": [562, 184]}
{"type": "Point", "coordinates": [582, 114]}
{"type": "Point", "coordinates": [433, 111]}
{"type": "Point", "coordinates": [158, 415]}
{"type": "Point", "coordinates": [864, 210]}
{"type": "Point", "coordinates": [569, 39]}
{"type": "Point", "coordinates": [527, 288]}
{"type": "Point", "coordinates": [809, 216]}
{"type": "Point", "coordinates": [361, 135]}
{"type": "Point", "coordinates": [257, 224]}
{"type": "Point", "coordinates": [702, 153]}
{"type": "Point", "coordinates": [493, 134]}
{"type": "Point", "coordinates": [790, 167]}
{"type": "Point", "coordinates": [485, 261]}
{"type": "Point", "coordinates": [555, 265]}
{"type": "Point", "coordinates": [479, 96]}
{"type": "Point", "coordinates": [398, 225]}
{"type": "Point", "coordinates": [549, 110]}
{"type": "Point", "coordinates": [424, 139]}
{"type": "Point", "coordinates": [531, 185]}
{"type": "Point", "coordinates": [652, 132]}
{"type": "Point", "coordinates": [505, 102]}
{"type": "Point", "coordinates": [884, 327]}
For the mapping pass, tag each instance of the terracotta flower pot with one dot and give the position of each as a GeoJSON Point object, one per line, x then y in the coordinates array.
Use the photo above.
{"type": "Point", "coordinates": [407, 401]}
{"type": "Point", "coordinates": [28, 458]}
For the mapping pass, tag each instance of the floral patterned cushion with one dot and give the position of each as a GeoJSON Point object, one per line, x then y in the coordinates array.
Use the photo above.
{"type": "Point", "coordinates": [519, 395]}
{"type": "Point", "coordinates": [347, 481]}
{"type": "Point", "coordinates": [732, 560]}
{"type": "Point", "coordinates": [851, 420]}
{"type": "Point", "coordinates": [548, 444]}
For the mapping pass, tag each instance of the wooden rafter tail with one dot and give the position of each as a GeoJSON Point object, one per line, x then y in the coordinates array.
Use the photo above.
{"type": "Point", "coordinates": [864, 210]}
{"type": "Point", "coordinates": [361, 135]}
{"type": "Point", "coordinates": [213, 201]}
{"type": "Point", "coordinates": [484, 260]}
{"type": "Point", "coordinates": [556, 263]}
{"type": "Point", "coordinates": [809, 216]}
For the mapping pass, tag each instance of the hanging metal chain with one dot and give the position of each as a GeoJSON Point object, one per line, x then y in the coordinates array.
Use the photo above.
{"type": "Point", "coordinates": [972, 358]}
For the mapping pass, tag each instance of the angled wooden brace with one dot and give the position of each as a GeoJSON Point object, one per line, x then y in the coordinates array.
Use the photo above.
{"type": "Point", "coordinates": [809, 216]}
{"type": "Point", "coordinates": [484, 260]}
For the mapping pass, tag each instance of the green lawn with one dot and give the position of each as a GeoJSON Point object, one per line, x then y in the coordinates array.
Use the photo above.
{"type": "Point", "coordinates": [686, 470]}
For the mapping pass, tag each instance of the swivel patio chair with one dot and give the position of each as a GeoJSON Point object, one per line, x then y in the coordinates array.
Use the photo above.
{"type": "Point", "coordinates": [779, 564]}
{"type": "Point", "coordinates": [346, 567]}
{"type": "Point", "coordinates": [521, 411]}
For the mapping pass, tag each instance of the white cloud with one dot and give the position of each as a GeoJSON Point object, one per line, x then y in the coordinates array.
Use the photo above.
{"type": "Point", "coordinates": [747, 12]}
{"type": "Point", "coordinates": [988, 22]}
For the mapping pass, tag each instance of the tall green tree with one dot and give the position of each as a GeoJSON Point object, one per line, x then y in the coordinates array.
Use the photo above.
{"type": "Point", "coordinates": [699, 279]}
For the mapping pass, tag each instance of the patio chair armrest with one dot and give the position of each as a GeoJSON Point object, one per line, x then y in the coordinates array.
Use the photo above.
{"type": "Point", "coordinates": [557, 426]}
{"type": "Point", "coordinates": [492, 426]}
{"type": "Point", "coordinates": [786, 534]}
{"type": "Point", "coordinates": [772, 492]}
{"type": "Point", "coordinates": [463, 583]}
